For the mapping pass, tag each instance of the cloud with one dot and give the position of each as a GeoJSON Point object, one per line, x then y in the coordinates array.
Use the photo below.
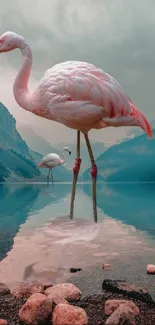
{"type": "Point", "coordinates": [116, 35]}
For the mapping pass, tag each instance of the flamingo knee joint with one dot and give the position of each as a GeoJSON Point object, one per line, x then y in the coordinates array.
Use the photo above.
{"type": "Point", "coordinates": [93, 171]}
{"type": "Point", "coordinates": [77, 165]}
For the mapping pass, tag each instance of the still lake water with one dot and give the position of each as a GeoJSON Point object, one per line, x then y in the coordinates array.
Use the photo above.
{"type": "Point", "coordinates": [38, 241]}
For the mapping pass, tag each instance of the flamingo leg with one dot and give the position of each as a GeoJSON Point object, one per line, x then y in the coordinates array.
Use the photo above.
{"type": "Point", "coordinates": [76, 169]}
{"type": "Point", "coordinates": [94, 176]}
{"type": "Point", "coordinates": [48, 177]}
{"type": "Point", "coordinates": [52, 178]}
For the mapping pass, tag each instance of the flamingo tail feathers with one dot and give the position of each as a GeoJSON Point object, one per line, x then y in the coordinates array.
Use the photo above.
{"type": "Point", "coordinates": [145, 125]}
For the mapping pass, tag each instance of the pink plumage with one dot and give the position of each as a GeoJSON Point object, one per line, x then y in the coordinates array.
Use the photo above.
{"type": "Point", "coordinates": [83, 97]}
{"type": "Point", "coordinates": [76, 94]}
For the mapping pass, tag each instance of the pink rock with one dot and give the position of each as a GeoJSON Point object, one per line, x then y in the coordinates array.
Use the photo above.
{"type": "Point", "coordinates": [111, 305]}
{"type": "Point", "coordinates": [151, 269]}
{"type": "Point", "coordinates": [122, 315]}
{"type": "Point", "coordinates": [25, 290]}
{"type": "Point", "coordinates": [105, 266]}
{"type": "Point", "coordinates": [57, 299]}
{"type": "Point", "coordinates": [45, 284]}
{"type": "Point", "coordinates": [37, 296]}
{"type": "Point", "coordinates": [3, 322]}
{"type": "Point", "coordinates": [65, 290]}
{"type": "Point", "coordinates": [36, 310]}
{"type": "Point", "coordinates": [69, 315]}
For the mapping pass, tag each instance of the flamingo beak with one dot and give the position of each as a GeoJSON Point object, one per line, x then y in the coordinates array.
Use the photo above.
{"type": "Point", "coordinates": [70, 152]}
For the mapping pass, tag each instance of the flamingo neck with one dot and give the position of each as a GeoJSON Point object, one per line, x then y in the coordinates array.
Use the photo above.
{"type": "Point", "coordinates": [63, 158]}
{"type": "Point", "coordinates": [22, 95]}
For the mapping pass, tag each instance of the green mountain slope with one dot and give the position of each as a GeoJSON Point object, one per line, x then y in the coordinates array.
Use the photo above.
{"type": "Point", "coordinates": [17, 161]}
{"type": "Point", "coordinates": [133, 160]}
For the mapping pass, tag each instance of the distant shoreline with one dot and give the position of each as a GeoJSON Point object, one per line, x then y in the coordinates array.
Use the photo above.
{"type": "Point", "coordinates": [99, 182]}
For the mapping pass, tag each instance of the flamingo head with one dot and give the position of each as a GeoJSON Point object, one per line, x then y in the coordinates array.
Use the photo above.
{"type": "Point", "coordinates": [141, 121]}
{"type": "Point", "coordinates": [67, 150]}
{"type": "Point", "coordinates": [10, 41]}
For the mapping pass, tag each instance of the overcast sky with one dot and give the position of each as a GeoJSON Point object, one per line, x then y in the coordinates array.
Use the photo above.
{"type": "Point", "coordinates": [116, 35]}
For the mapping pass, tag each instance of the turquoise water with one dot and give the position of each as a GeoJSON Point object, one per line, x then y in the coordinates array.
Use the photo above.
{"type": "Point", "coordinates": [39, 241]}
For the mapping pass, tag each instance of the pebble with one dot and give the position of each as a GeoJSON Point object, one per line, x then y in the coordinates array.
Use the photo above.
{"type": "Point", "coordinates": [69, 315]}
{"type": "Point", "coordinates": [122, 315]}
{"type": "Point", "coordinates": [37, 296]}
{"type": "Point", "coordinates": [105, 266]}
{"type": "Point", "coordinates": [65, 290]}
{"type": "Point", "coordinates": [25, 290]}
{"type": "Point", "coordinates": [45, 284]}
{"type": "Point", "coordinates": [74, 270]}
{"type": "Point", "coordinates": [151, 269]}
{"type": "Point", "coordinates": [3, 322]}
{"type": "Point", "coordinates": [128, 289]}
{"type": "Point", "coordinates": [112, 304]}
{"type": "Point", "coordinates": [57, 299]}
{"type": "Point", "coordinates": [36, 309]}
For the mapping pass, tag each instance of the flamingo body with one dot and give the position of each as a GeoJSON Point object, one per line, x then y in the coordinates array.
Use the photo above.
{"type": "Point", "coordinates": [51, 160]}
{"type": "Point", "coordinates": [84, 97]}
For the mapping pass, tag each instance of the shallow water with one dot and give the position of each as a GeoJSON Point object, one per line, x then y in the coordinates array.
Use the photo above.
{"type": "Point", "coordinates": [39, 241]}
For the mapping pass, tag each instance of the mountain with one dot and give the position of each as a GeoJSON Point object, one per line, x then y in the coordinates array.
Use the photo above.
{"type": "Point", "coordinates": [17, 161]}
{"type": "Point", "coordinates": [36, 142]}
{"type": "Point", "coordinates": [130, 161]}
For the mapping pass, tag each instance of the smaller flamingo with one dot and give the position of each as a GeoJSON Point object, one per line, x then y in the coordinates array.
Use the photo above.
{"type": "Point", "coordinates": [52, 160]}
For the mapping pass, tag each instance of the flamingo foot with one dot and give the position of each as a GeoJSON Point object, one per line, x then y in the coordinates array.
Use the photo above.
{"type": "Point", "coordinates": [93, 171]}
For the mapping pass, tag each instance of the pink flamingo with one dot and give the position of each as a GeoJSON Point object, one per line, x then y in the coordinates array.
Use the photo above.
{"type": "Point", "coordinates": [52, 160]}
{"type": "Point", "coordinates": [78, 95]}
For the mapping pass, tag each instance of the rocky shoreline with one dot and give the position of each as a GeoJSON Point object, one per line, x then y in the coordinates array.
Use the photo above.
{"type": "Point", "coordinates": [63, 304]}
